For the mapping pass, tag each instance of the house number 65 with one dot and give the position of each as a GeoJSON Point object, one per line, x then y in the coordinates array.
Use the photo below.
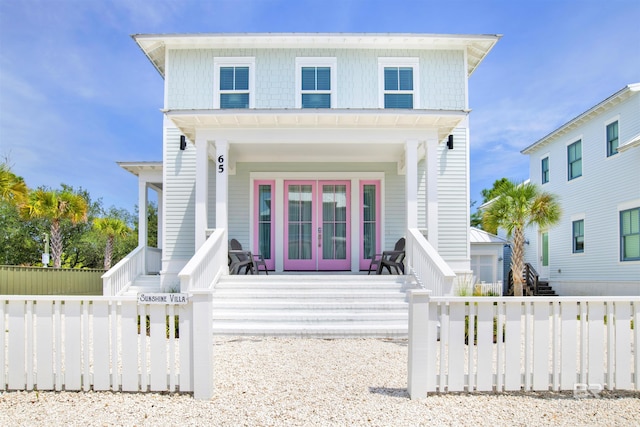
{"type": "Point", "coordinates": [220, 164]}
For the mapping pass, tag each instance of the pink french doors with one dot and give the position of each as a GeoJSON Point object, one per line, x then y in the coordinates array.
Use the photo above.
{"type": "Point", "coordinates": [317, 225]}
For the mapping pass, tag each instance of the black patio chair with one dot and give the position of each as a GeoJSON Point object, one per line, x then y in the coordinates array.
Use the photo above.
{"type": "Point", "coordinates": [245, 259]}
{"type": "Point", "coordinates": [391, 260]}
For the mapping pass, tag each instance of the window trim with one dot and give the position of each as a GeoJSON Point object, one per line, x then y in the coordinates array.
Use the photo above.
{"type": "Point", "coordinates": [325, 61]}
{"type": "Point", "coordinates": [413, 62]}
{"type": "Point", "coordinates": [232, 61]}
{"type": "Point", "coordinates": [542, 170]}
{"type": "Point", "coordinates": [621, 212]}
{"type": "Point", "coordinates": [574, 249]}
{"type": "Point", "coordinates": [606, 140]}
{"type": "Point", "coordinates": [575, 141]}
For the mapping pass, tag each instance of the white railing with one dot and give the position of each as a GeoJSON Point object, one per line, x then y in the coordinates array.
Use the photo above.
{"type": "Point", "coordinates": [121, 275]}
{"type": "Point", "coordinates": [101, 343]}
{"type": "Point", "coordinates": [427, 266]}
{"type": "Point", "coordinates": [531, 344]}
{"type": "Point", "coordinates": [140, 261]}
{"type": "Point", "coordinates": [210, 262]}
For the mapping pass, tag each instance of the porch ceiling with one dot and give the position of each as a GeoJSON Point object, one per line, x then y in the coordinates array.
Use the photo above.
{"type": "Point", "coordinates": [389, 126]}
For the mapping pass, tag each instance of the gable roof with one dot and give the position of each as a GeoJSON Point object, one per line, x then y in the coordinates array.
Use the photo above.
{"type": "Point", "coordinates": [476, 46]}
{"type": "Point", "coordinates": [477, 235]}
{"type": "Point", "coordinates": [615, 99]}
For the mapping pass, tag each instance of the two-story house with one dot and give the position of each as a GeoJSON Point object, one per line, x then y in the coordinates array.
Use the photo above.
{"type": "Point", "coordinates": [315, 150]}
{"type": "Point", "coordinates": [592, 163]}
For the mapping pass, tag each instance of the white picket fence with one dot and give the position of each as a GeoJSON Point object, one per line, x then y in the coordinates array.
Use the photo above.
{"type": "Point", "coordinates": [100, 343]}
{"type": "Point", "coordinates": [508, 344]}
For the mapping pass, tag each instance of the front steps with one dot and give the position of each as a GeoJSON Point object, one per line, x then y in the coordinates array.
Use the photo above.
{"type": "Point", "coordinates": [144, 284]}
{"type": "Point", "coordinates": [316, 306]}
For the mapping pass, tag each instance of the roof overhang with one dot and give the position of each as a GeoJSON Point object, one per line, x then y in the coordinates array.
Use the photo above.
{"type": "Point", "coordinates": [477, 47]}
{"type": "Point", "coordinates": [440, 122]}
{"type": "Point", "coordinates": [151, 172]}
{"type": "Point", "coordinates": [615, 99]}
{"type": "Point", "coordinates": [633, 142]}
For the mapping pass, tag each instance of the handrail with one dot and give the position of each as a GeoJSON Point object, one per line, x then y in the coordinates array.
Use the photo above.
{"type": "Point", "coordinates": [121, 275]}
{"type": "Point", "coordinates": [531, 278]}
{"type": "Point", "coordinates": [209, 263]}
{"type": "Point", "coordinates": [427, 266]}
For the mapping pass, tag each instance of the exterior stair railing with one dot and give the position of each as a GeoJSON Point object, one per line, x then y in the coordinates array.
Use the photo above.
{"type": "Point", "coordinates": [206, 267]}
{"type": "Point", "coordinates": [426, 265]}
{"type": "Point", "coordinates": [531, 280]}
{"type": "Point", "coordinates": [142, 260]}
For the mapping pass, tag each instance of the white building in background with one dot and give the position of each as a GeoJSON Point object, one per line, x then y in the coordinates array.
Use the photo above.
{"type": "Point", "coordinates": [592, 163]}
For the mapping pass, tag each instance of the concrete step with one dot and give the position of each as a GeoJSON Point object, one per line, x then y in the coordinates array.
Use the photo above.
{"type": "Point", "coordinates": [311, 306]}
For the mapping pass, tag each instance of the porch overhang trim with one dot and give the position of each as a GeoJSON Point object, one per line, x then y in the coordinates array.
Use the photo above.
{"type": "Point", "coordinates": [441, 121]}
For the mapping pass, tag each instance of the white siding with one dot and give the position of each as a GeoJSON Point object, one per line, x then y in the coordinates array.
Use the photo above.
{"type": "Point", "coordinates": [453, 199]}
{"type": "Point", "coordinates": [605, 184]}
{"type": "Point", "coordinates": [179, 197]}
{"type": "Point", "coordinates": [191, 76]}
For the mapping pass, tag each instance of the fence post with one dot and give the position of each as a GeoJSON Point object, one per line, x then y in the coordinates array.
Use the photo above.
{"type": "Point", "coordinates": [202, 345]}
{"type": "Point", "coordinates": [418, 353]}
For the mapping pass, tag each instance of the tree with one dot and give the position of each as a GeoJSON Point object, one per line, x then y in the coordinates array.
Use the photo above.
{"type": "Point", "coordinates": [516, 206]}
{"type": "Point", "coordinates": [55, 206]}
{"type": "Point", "coordinates": [12, 187]}
{"type": "Point", "coordinates": [111, 228]}
{"type": "Point", "coordinates": [488, 194]}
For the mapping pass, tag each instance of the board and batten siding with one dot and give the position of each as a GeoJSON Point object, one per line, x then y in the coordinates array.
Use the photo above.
{"type": "Point", "coordinates": [606, 184]}
{"type": "Point", "coordinates": [190, 76]}
{"type": "Point", "coordinates": [179, 197]}
{"type": "Point", "coordinates": [453, 201]}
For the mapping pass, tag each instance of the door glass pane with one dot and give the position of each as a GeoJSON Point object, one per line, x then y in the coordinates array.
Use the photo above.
{"type": "Point", "coordinates": [264, 220]}
{"type": "Point", "coordinates": [300, 217]}
{"type": "Point", "coordinates": [369, 220]}
{"type": "Point", "coordinates": [334, 228]}
{"type": "Point", "coordinates": [545, 249]}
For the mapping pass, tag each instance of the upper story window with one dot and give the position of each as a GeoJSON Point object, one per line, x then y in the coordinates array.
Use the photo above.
{"type": "Point", "coordinates": [398, 80]}
{"type": "Point", "coordinates": [574, 160]}
{"type": "Point", "coordinates": [234, 86]}
{"type": "Point", "coordinates": [612, 138]}
{"type": "Point", "coordinates": [630, 235]}
{"type": "Point", "coordinates": [578, 236]}
{"type": "Point", "coordinates": [544, 167]}
{"type": "Point", "coordinates": [315, 82]}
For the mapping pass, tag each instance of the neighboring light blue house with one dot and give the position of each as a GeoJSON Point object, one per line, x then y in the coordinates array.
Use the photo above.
{"type": "Point", "coordinates": [592, 163]}
{"type": "Point", "coordinates": [316, 150]}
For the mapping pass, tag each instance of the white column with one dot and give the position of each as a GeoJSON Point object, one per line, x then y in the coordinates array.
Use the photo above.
{"type": "Point", "coordinates": [222, 183]}
{"type": "Point", "coordinates": [142, 212]}
{"type": "Point", "coordinates": [411, 177]}
{"type": "Point", "coordinates": [202, 184]}
{"type": "Point", "coordinates": [432, 192]}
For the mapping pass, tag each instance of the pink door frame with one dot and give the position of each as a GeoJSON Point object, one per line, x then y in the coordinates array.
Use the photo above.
{"type": "Point", "coordinates": [335, 264]}
{"type": "Point", "coordinates": [363, 261]}
{"type": "Point", "coordinates": [256, 221]}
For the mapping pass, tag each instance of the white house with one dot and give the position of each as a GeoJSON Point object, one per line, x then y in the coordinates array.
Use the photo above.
{"type": "Point", "coordinates": [592, 163]}
{"type": "Point", "coordinates": [316, 150]}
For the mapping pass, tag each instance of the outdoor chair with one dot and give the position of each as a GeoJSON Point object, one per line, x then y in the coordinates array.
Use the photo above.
{"type": "Point", "coordinates": [391, 260]}
{"type": "Point", "coordinates": [251, 262]}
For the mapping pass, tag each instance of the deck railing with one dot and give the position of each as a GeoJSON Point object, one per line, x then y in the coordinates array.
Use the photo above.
{"type": "Point", "coordinates": [584, 344]}
{"type": "Point", "coordinates": [209, 263]}
{"type": "Point", "coordinates": [427, 266]}
{"type": "Point", "coordinates": [142, 260]}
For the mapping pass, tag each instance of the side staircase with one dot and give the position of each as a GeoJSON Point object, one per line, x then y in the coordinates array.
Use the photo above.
{"type": "Point", "coordinates": [320, 306]}
{"type": "Point", "coordinates": [144, 284]}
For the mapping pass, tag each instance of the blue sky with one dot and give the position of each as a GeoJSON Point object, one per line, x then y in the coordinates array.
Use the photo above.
{"type": "Point", "coordinates": [77, 95]}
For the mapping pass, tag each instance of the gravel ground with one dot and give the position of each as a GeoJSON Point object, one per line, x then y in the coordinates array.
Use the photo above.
{"type": "Point", "coordinates": [311, 382]}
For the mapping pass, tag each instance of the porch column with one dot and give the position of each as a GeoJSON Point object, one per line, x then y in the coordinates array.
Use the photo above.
{"type": "Point", "coordinates": [142, 212]}
{"type": "Point", "coordinates": [411, 181]}
{"type": "Point", "coordinates": [222, 180]}
{"type": "Point", "coordinates": [160, 218]}
{"type": "Point", "coordinates": [202, 184]}
{"type": "Point", "coordinates": [432, 192]}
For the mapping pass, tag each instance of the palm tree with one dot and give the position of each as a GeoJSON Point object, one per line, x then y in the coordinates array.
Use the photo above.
{"type": "Point", "coordinates": [55, 206]}
{"type": "Point", "coordinates": [515, 207]}
{"type": "Point", "coordinates": [112, 228]}
{"type": "Point", "coordinates": [12, 187]}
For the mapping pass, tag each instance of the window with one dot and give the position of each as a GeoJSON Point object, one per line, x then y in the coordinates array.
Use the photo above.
{"type": "Point", "coordinates": [234, 85]}
{"type": "Point", "coordinates": [630, 235]}
{"type": "Point", "coordinates": [578, 236]}
{"type": "Point", "coordinates": [315, 82]}
{"type": "Point", "coordinates": [399, 81]}
{"type": "Point", "coordinates": [574, 157]}
{"type": "Point", "coordinates": [545, 170]}
{"type": "Point", "coordinates": [612, 138]}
